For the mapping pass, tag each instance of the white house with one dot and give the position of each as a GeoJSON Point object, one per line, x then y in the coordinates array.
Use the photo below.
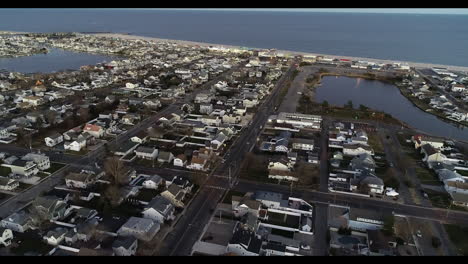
{"type": "Point", "coordinates": [146, 153]}
{"type": "Point", "coordinates": [302, 144]}
{"type": "Point", "coordinates": [159, 209]}
{"type": "Point", "coordinates": [180, 160]}
{"type": "Point", "coordinates": [153, 182]}
{"type": "Point", "coordinates": [41, 160]}
{"type": "Point", "coordinates": [23, 168]}
{"type": "Point", "coordinates": [6, 236]}
{"type": "Point", "coordinates": [76, 145]}
{"type": "Point", "coordinates": [125, 246]}
{"type": "Point", "coordinates": [18, 222]}
{"type": "Point", "coordinates": [94, 130]}
{"type": "Point", "coordinates": [53, 140]}
{"type": "Point", "coordinates": [458, 88]}
{"type": "Point", "coordinates": [8, 184]}
{"type": "Point", "coordinates": [140, 228]}
{"type": "Point", "coordinates": [56, 236]}
{"type": "Point", "coordinates": [356, 149]}
{"type": "Point", "coordinates": [198, 163]}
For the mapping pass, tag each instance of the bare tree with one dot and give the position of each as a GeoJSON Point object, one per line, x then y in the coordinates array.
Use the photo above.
{"type": "Point", "coordinates": [84, 114]}
{"type": "Point", "coordinates": [51, 117]}
{"type": "Point", "coordinates": [39, 217]}
{"type": "Point", "coordinates": [112, 193]}
{"type": "Point", "coordinates": [117, 171]}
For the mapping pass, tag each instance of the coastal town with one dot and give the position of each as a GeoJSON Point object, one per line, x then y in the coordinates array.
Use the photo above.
{"type": "Point", "coordinates": [179, 148]}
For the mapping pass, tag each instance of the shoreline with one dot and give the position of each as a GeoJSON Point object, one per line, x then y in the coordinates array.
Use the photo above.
{"type": "Point", "coordinates": [129, 36]}
{"type": "Point", "coordinates": [205, 44]}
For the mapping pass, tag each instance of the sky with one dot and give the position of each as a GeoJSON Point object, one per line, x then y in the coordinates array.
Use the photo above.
{"type": "Point", "coordinates": [448, 11]}
{"type": "Point", "coordinates": [445, 11]}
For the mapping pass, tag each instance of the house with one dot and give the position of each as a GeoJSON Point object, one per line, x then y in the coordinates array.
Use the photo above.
{"type": "Point", "coordinates": [165, 157]}
{"type": "Point", "coordinates": [140, 138]}
{"type": "Point", "coordinates": [33, 100]}
{"type": "Point", "coordinates": [198, 163]}
{"type": "Point", "coordinates": [363, 162]}
{"type": "Point", "coordinates": [18, 222]}
{"type": "Point", "coordinates": [420, 140]}
{"type": "Point", "coordinates": [302, 144]}
{"type": "Point", "coordinates": [371, 183]}
{"type": "Point", "coordinates": [180, 160]}
{"type": "Point", "coordinates": [175, 194]}
{"type": "Point", "coordinates": [206, 108]}
{"type": "Point", "coordinates": [53, 140]}
{"type": "Point", "coordinates": [130, 119]}
{"type": "Point", "coordinates": [140, 228]}
{"type": "Point", "coordinates": [94, 130]}
{"type": "Point", "coordinates": [218, 141]}
{"type": "Point", "coordinates": [52, 207]}
{"type": "Point", "coordinates": [243, 205]}
{"type": "Point", "coordinates": [282, 175]}
{"type": "Point", "coordinates": [81, 180]}
{"type": "Point", "coordinates": [280, 165]}
{"type": "Point", "coordinates": [182, 183]}
{"type": "Point", "coordinates": [56, 236]}
{"type": "Point", "coordinates": [153, 182]}
{"type": "Point", "coordinates": [8, 184]}
{"type": "Point", "coordinates": [458, 191]}
{"type": "Point", "coordinates": [244, 242]}
{"type": "Point", "coordinates": [22, 168]}
{"type": "Point", "coordinates": [125, 246]}
{"type": "Point", "coordinates": [458, 88]}
{"type": "Point", "coordinates": [159, 209]}
{"type": "Point", "coordinates": [41, 160]}
{"type": "Point", "coordinates": [76, 145]}
{"type": "Point", "coordinates": [146, 153]}
{"type": "Point", "coordinates": [356, 149]}
{"type": "Point", "coordinates": [126, 148]}
{"type": "Point", "coordinates": [6, 236]}
{"type": "Point", "coordinates": [431, 155]}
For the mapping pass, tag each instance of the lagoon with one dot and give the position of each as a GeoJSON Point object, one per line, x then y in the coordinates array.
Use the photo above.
{"type": "Point", "coordinates": [54, 61]}
{"type": "Point", "coordinates": [387, 98]}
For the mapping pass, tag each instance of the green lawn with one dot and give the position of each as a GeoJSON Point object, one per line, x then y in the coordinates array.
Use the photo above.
{"type": "Point", "coordinates": [459, 237]}
{"type": "Point", "coordinates": [55, 167]}
{"type": "Point", "coordinates": [427, 176]}
{"type": "Point", "coordinates": [4, 171]}
{"type": "Point", "coordinates": [147, 194]}
{"type": "Point", "coordinates": [440, 200]}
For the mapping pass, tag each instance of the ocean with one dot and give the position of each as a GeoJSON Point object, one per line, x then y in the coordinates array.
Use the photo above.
{"type": "Point", "coordinates": [439, 39]}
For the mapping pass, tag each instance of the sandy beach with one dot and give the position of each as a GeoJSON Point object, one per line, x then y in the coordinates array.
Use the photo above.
{"type": "Point", "coordinates": [418, 65]}
{"type": "Point", "coordinates": [202, 44]}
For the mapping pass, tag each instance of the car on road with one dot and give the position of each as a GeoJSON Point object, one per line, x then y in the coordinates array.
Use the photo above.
{"type": "Point", "coordinates": [391, 165]}
{"type": "Point", "coordinates": [305, 246]}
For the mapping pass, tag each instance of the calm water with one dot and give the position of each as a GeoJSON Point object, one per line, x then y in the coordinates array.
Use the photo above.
{"type": "Point", "coordinates": [55, 60]}
{"type": "Point", "coordinates": [441, 39]}
{"type": "Point", "coordinates": [386, 98]}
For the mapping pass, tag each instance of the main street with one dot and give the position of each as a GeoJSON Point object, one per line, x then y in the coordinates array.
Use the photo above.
{"type": "Point", "coordinates": [189, 228]}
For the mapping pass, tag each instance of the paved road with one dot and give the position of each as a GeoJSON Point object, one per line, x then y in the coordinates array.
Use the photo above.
{"type": "Point", "coordinates": [460, 104]}
{"type": "Point", "coordinates": [13, 204]}
{"type": "Point", "coordinates": [189, 228]}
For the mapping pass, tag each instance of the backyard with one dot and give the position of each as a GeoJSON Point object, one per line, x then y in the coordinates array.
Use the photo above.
{"type": "Point", "coordinates": [459, 237]}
